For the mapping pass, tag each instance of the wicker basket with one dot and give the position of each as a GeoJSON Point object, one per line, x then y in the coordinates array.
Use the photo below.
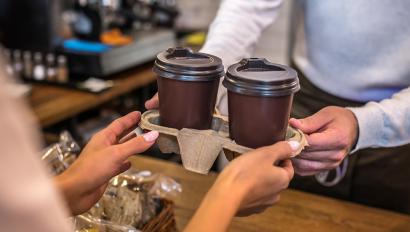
{"type": "Point", "coordinates": [164, 221]}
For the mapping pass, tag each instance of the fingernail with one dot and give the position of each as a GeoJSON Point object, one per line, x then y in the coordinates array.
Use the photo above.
{"type": "Point", "coordinates": [294, 145]}
{"type": "Point", "coordinates": [150, 136]}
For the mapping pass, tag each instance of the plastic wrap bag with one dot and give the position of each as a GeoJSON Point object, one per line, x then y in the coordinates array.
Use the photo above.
{"type": "Point", "coordinates": [59, 156]}
{"type": "Point", "coordinates": [130, 202]}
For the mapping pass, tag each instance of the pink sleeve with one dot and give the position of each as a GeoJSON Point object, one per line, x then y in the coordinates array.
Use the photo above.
{"type": "Point", "coordinates": [28, 199]}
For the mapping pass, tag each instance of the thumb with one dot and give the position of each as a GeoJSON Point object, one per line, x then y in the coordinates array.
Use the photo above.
{"type": "Point", "coordinates": [310, 124]}
{"type": "Point", "coordinates": [282, 150]}
{"type": "Point", "coordinates": [136, 145]}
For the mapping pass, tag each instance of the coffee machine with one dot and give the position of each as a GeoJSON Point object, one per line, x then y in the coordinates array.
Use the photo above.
{"type": "Point", "coordinates": [55, 25]}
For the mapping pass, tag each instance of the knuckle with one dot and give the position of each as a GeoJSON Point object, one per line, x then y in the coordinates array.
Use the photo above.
{"type": "Point", "coordinates": [331, 108]}
{"type": "Point", "coordinates": [96, 136]}
{"type": "Point", "coordinates": [281, 147]}
{"type": "Point", "coordinates": [344, 141]}
{"type": "Point", "coordinates": [119, 123]}
{"type": "Point", "coordinates": [115, 151]}
{"type": "Point", "coordinates": [100, 134]}
{"type": "Point", "coordinates": [339, 156]}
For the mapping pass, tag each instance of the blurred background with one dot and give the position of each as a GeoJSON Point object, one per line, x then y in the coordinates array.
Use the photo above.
{"type": "Point", "coordinates": [82, 63]}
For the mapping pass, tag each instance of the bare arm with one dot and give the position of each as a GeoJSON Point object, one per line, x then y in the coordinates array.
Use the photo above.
{"type": "Point", "coordinates": [235, 32]}
{"type": "Point", "coordinates": [249, 184]}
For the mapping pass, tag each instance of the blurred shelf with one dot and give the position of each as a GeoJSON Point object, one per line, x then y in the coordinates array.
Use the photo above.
{"type": "Point", "coordinates": [52, 104]}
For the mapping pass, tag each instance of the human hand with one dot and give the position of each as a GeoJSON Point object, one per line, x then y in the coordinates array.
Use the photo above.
{"type": "Point", "coordinates": [259, 176]}
{"type": "Point", "coordinates": [331, 133]}
{"type": "Point", "coordinates": [104, 157]}
{"type": "Point", "coordinates": [152, 103]}
{"type": "Point", "coordinates": [249, 184]}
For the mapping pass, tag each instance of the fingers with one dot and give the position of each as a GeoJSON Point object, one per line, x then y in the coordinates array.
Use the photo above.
{"type": "Point", "coordinates": [152, 103]}
{"type": "Point", "coordinates": [307, 167]}
{"type": "Point", "coordinates": [135, 145]}
{"type": "Point", "coordinates": [312, 123]}
{"type": "Point", "coordinates": [121, 126]}
{"type": "Point", "coordinates": [288, 168]}
{"type": "Point", "coordinates": [328, 155]}
{"type": "Point", "coordinates": [329, 139]}
{"type": "Point", "coordinates": [280, 151]}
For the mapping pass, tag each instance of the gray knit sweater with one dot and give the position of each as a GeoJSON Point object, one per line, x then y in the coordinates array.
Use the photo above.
{"type": "Point", "coordinates": [355, 49]}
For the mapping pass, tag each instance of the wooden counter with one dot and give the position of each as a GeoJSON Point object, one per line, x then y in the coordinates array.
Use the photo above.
{"type": "Point", "coordinates": [296, 211]}
{"type": "Point", "coordinates": [54, 104]}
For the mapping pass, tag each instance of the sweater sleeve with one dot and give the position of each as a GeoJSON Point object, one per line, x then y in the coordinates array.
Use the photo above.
{"type": "Point", "coordinates": [385, 123]}
{"type": "Point", "coordinates": [235, 31]}
{"type": "Point", "coordinates": [28, 198]}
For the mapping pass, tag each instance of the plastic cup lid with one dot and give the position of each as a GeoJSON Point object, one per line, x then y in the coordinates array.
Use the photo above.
{"type": "Point", "coordinates": [259, 77]}
{"type": "Point", "coordinates": [185, 65]}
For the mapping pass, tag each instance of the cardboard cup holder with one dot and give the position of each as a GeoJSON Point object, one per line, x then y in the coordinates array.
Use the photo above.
{"type": "Point", "coordinates": [200, 148]}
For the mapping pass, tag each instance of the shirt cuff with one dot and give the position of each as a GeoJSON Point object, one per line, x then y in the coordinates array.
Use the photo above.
{"type": "Point", "coordinates": [370, 123]}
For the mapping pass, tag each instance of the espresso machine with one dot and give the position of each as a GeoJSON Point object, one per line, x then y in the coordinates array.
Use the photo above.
{"type": "Point", "coordinates": [78, 29]}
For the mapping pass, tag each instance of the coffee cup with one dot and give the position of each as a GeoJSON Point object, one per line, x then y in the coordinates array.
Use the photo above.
{"type": "Point", "coordinates": [260, 95]}
{"type": "Point", "coordinates": [187, 87]}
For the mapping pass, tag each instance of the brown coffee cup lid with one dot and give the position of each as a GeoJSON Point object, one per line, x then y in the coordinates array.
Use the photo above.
{"type": "Point", "coordinates": [186, 65]}
{"type": "Point", "coordinates": [259, 77]}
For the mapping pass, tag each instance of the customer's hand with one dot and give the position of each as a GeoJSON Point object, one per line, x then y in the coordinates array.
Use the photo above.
{"type": "Point", "coordinates": [104, 157]}
{"type": "Point", "coordinates": [152, 103]}
{"type": "Point", "coordinates": [258, 177]}
{"type": "Point", "coordinates": [249, 184]}
{"type": "Point", "coordinates": [331, 134]}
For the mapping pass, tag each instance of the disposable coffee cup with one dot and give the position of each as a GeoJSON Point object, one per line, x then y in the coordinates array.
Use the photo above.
{"type": "Point", "coordinates": [187, 87]}
{"type": "Point", "coordinates": [260, 96]}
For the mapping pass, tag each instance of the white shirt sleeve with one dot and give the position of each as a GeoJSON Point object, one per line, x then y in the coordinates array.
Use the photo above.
{"type": "Point", "coordinates": [234, 33]}
{"type": "Point", "coordinates": [28, 199]}
{"type": "Point", "coordinates": [385, 123]}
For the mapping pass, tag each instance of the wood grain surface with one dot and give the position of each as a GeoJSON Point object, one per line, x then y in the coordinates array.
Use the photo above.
{"type": "Point", "coordinates": [296, 211]}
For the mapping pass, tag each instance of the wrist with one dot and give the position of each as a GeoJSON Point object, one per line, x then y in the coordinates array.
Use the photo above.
{"type": "Point", "coordinates": [66, 185]}
{"type": "Point", "coordinates": [228, 192]}
{"type": "Point", "coordinates": [356, 132]}
{"type": "Point", "coordinates": [227, 196]}
{"type": "Point", "coordinates": [217, 208]}
{"type": "Point", "coordinates": [370, 125]}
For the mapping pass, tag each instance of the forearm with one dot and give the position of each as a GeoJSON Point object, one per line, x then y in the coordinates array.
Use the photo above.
{"type": "Point", "coordinates": [238, 26]}
{"type": "Point", "coordinates": [74, 191]}
{"type": "Point", "coordinates": [235, 32]}
{"type": "Point", "coordinates": [216, 210]}
{"type": "Point", "coordinates": [385, 123]}
{"type": "Point", "coordinates": [64, 184]}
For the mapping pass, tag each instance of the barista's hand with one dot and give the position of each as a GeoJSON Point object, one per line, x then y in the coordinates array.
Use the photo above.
{"type": "Point", "coordinates": [104, 157]}
{"type": "Point", "coordinates": [332, 132]}
{"type": "Point", "coordinates": [249, 184]}
{"type": "Point", "coordinates": [152, 103]}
